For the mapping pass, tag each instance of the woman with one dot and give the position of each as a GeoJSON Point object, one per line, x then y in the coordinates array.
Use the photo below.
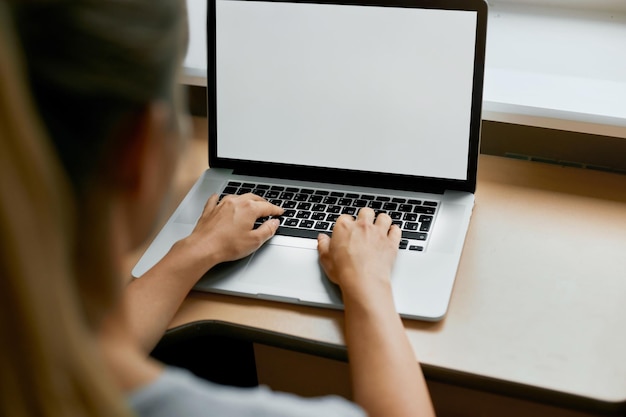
{"type": "Point", "coordinates": [102, 74]}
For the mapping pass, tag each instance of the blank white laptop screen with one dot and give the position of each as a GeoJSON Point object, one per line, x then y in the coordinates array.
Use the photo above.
{"type": "Point", "coordinates": [379, 89]}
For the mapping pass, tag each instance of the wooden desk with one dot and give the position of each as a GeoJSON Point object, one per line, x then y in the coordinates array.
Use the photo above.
{"type": "Point", "coordinates": [539, 306]}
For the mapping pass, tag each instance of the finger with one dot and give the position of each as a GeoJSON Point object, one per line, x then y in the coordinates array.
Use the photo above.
{"type": "Point", "coordinates": [323, 244]}
{"type": "Point", "coordinates": [344, 218]}
{"type": "Point", "coordinates": [264, 208]}
{"type": "Point", "coordinates": [210, 204]}
{"type": "Point", "coordinates": [367, 215]}
{"type": "Point", "coordinates": [395, 234]}
{"type": "Point", "coordinates": [267, 229]}
{"type": "Point", "coordinates": [383, 220]}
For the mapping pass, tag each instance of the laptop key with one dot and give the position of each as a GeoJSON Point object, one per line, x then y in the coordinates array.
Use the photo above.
{"type": "Point", "coordinates": [344, 201]}
{"type": "Point", "coordinates": [272, 194]}
{"type": "Point", "coordinates": [303, 214]}
{"type": "Point", "coordinates": [414, 235]}
{"type": "Point", "coordinates": [291, 222]}
{"type": "Point", "coordinates": [230, 190]}
{"type": "Point", "coordinates": [286, 195]}
{"type": "Point", "coordinates": [289, 213]}
{"type": "Point", "coordinates": [410, 217]}
{"type": "Point", "coordinates": [411, 226]}
{"type": "Point", "coordinates": [330, 200]}
{"type": "Point", "coordinates": [304, 206]}
{"type": "Point", "coordinates": [301, 197]}
{"type": "Point", "coordinates": [359, 203]}
{"type": "Point", "coordinates": [425, 227]}
{"type": "Point", "coordinates": [332, 217]}
{"type": "Point", "coordinates": [290, 204]}
{"type": "Point", "coordinates": [416, 248]}
{"type": "Point", "coordinates": [307, 224]}
{"type": "Point", "coordinates": [395, 215]}
{"type": "Point", "coordinates": [321, 225]}
{"type": "Point", "coordinates": [292, 231]}
{"type": "Point", "coordinates": [431, 203]}
{"type": "Point", "coordinates": [316, 198]}
{"type": "Point", "coordinates": [259, 192]}
{"type": "Point", "coordinates": [318, 216]}
{"type": "Point", "coordinates": [424, 210]}
{"type": "Point", "coordinates": [405, 208]}
{"type": "Point", "coordinates": [333, 209]}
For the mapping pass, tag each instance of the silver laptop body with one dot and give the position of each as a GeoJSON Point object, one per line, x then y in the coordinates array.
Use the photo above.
{"type": "Point", "coordinates": [349, 101]}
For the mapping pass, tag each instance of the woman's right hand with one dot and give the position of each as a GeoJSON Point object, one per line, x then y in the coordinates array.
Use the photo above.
{"type": "Point", "coordinates": [361, 252]}
{"type": "Point", "coordinates": [386, 377]}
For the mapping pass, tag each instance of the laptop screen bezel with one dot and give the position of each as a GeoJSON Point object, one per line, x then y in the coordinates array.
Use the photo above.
{"type": "Point", "coordinates": [355, 177]}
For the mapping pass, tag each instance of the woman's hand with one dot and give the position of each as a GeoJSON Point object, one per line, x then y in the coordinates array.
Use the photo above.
{"type": "Point", "coordinates": [225, 231]}
{"type": "Point", "coordinates": [361, 252]}
{"type": "Point", "coordinates": [386, 377]}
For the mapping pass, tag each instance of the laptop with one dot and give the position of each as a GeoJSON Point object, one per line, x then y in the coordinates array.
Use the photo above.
{"type": "Point", "coordinates": [327, 106]}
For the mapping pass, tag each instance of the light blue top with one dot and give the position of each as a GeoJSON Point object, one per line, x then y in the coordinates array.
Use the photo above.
{"type": "Point", "coordinates": [179, 393]}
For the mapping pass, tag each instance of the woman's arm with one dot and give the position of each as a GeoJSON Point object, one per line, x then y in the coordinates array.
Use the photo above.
{"type": "Point", "coordinates": [386, 377]}
{"type": "Point", "coordinates": [223, 233]}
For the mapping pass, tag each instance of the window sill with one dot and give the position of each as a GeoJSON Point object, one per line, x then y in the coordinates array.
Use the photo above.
{"type": "Point", "coordinates": [560, 69]}
{"type": "Point", "coordinates": [553, 68]}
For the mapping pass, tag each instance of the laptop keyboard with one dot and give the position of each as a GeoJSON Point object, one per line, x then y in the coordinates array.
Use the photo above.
{"type": "Point", "coordinates": [311, 211]}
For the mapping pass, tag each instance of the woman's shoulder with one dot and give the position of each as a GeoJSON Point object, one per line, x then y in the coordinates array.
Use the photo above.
{"type": "Point", "coordinates": [178, 392]}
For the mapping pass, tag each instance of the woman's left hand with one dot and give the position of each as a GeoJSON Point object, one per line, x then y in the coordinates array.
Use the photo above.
{"type": "Point", "coordinates": [225, 230]}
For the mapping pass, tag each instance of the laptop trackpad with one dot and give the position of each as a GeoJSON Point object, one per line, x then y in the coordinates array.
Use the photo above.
{"type": "Point", "coordinates": [291, 272]}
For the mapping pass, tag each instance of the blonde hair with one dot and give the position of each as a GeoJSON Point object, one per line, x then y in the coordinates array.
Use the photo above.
{"type": "Point", "coordinates": [91, 66]}
{"type": "Point", "coordinates": [49, 364]}
{"type": "Point", "coordinates": [54, 284]}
